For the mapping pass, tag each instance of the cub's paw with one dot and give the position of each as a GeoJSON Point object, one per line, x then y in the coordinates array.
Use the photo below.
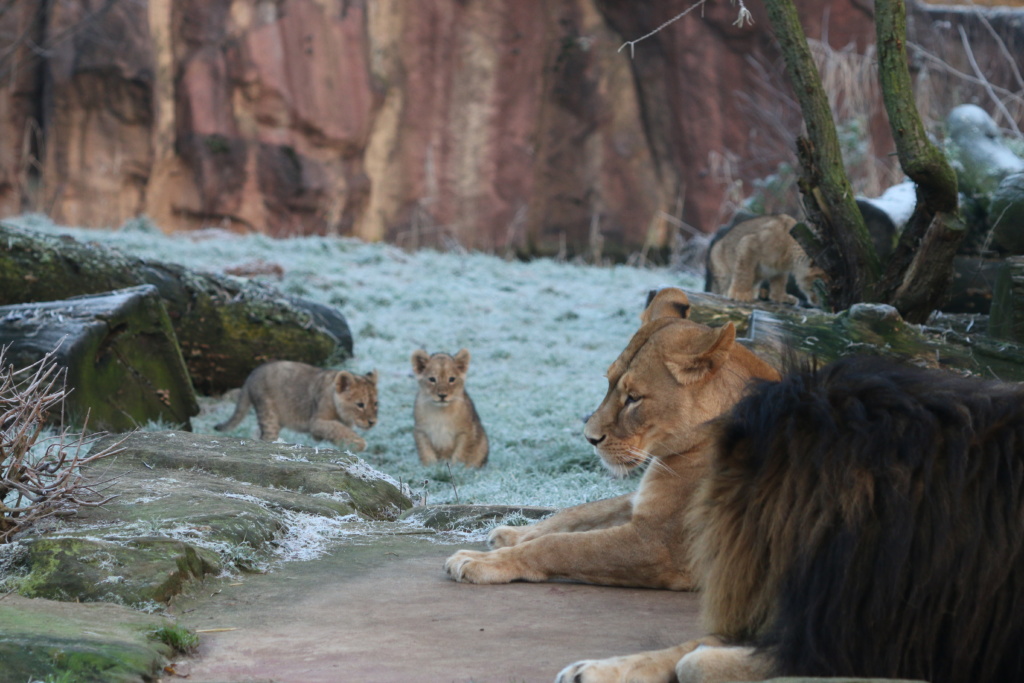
{"type": "Point", "coordinates": [471, 566]}
{"type": "Point", "coordinates": [506, 536]}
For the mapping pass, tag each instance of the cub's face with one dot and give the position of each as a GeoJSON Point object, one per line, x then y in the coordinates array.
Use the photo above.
{"type": "Point", "coordinates": [355, 398]}
{"type": "Point", "coordinates": [662, 388]}
{"type": "Point", "coordinates": [441, 377]}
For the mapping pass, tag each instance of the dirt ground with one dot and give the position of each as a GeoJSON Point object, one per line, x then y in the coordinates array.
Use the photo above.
{"type": "Point", "coordinates": [386, 612]}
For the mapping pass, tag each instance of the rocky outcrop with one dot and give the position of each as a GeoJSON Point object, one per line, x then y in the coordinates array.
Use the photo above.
{"type": "Point", "coordinates": [512, 125]}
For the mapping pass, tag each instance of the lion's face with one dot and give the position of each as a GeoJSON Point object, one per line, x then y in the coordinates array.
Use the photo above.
{"type": "Point", "coordinates": [674, 376]}
{"type": "Point", "coordinates": [441, 377]}
{"type": "Point", "coordinates": [355, 398]}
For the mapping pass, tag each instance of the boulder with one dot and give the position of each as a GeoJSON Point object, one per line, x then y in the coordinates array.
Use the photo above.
{"type": "Point", "coordinates": [50, 640]}
{"type": "Point", "coordinates": [124, 367]}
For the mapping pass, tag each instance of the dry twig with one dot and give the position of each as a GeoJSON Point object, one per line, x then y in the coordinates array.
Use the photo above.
{"type": "Point", "coordinates": [40, 474]}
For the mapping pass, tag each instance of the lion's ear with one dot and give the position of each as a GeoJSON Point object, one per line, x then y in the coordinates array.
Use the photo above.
{"type": "Point", "coordinates": [420, 358]}
{"type": "Point", "coordinates": [343, 381]}
{"type": "Point", "coordinates": [462, 360]}
{"type": "Point", "coordinates": [693, 367]}
{"type": "Point", "coordinates": [372, 376]}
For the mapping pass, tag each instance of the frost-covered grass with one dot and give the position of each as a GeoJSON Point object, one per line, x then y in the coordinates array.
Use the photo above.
{"type": "Point", "coordinates": [541, 335]}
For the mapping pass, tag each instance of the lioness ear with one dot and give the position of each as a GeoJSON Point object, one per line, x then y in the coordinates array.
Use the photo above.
{"type": "Point", "coordinates": [343, 381]}
{"type": "Point", "coordinates": [372, 376]}
{"type": "Point", "coordinates": [462, 360]}
{"type": "Point", "coordinates": [719, 347]}
{"type": "Point", "coordinates": [420, 358]}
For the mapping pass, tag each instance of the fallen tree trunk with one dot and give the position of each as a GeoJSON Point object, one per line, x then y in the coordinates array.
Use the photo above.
{"type": "Point", "coordinates": [124, 367]}
{"type": "Point", "coordinates": [225, 327]}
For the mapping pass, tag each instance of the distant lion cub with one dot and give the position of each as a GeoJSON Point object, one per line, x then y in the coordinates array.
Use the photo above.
{"type": "Point", "coordinates": [323, 403]}
{"type": "Point", "coordinates": [447, 426]}
{"type": "Point", "coordinates": [761, 248]}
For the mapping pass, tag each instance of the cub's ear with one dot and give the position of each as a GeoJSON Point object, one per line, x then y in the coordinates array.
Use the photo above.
{"type": "Point", "coordinates": [462, 360]}
{"type": "Point", "coordinates": [343, 381]}
{"type": "Point", "coordinates": [670, 302]}
{"type": "Point", "coordinates": [420, 358]}
{"type": "Point", "coordinates": [717, 345]}
{"type": "Point", "coordinates": [372, 376]}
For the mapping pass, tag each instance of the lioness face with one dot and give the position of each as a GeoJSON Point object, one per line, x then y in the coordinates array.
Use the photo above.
{"type": "Point", "coordinates": [667, 383]}
{"type": "Point", "coordinates": [441, 377]}
{"type": "Point", "coordinates": [355, 397]}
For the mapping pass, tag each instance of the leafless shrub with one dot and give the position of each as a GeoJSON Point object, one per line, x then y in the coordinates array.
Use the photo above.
{"type": "Point", "coordinates": [40, 472]}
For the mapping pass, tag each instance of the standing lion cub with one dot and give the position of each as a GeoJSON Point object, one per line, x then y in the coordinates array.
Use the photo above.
{"type": "Point", "coordinates": [446, 424]}
{"type": "Point", "coordinates": [761, 248]}
{"type": "Point", "coordinates": [323, 403]}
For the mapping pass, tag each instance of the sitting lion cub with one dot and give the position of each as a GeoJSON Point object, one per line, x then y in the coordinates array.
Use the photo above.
{"type": "Point", "coordinates": [323, 403]}
{"type": "Point", "coordinates": [447, 426]}
{"type": "Point", "coordinates": [760, 249]}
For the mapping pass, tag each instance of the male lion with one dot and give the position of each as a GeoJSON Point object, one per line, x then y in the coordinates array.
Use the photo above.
{"type": "Point", "coordinates": [673, 375]}
{"type": "Point", "coordinates": [862, 520]}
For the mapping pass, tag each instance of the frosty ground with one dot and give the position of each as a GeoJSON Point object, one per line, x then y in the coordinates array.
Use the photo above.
{"type": "Point", "coordinates": [541, 334]}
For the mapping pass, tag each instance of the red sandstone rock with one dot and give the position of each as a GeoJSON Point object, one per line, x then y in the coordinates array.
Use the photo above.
{"type": "Point", "coordinates": [510, 125]}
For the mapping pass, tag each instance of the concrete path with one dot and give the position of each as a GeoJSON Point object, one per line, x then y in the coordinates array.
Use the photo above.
{"type": "Point", "coordinates": [386, 612]}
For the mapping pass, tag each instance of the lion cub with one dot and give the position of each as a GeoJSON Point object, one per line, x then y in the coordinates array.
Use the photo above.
{"type": "Point", "coordinates": [758, 249]}
{"type": "Point", "coordinates": [446, 424]}
{"type": "Point", "coordinates": [323, 403]}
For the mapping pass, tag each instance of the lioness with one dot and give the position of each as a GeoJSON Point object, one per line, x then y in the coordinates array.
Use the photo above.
{"type": "Point", "coordinates": [323, 403]}
{"type": "Point", "coordinates": [447, 426]}
{"type": "Point", "coordinates": [758, 249]}
{"type": "Point", "coordinates": [862, 520]}
{"type": "Point", "coordinates": [673, 376]}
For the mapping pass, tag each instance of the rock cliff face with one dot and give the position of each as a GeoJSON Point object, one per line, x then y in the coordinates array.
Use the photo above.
{"type": "Point", "coordinates": [507, 125]}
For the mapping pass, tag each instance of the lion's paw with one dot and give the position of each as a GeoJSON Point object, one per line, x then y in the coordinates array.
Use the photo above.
{"type": "Point", "coordinates": [614, 670]}
{"type": "Point", "coordinates": [471, 566]}
{"type": "Point", "coordinates": [505, 536]}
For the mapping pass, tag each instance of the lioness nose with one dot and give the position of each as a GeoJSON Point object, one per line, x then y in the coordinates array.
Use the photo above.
{"type": "Point", "coordinates": [442, 396]}
{"type": "Point", "coordinates": [593, 441]}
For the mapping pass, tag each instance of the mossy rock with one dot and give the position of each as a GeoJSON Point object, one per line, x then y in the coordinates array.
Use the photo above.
{"type": "Point", "coordinates": [124, 366]}
{"type": "Point", "coordinates": [294, 468]}
{"type": "Point", "coordinates": [139, 572]}
{"type": "Point", "coordinates": [86, 643]}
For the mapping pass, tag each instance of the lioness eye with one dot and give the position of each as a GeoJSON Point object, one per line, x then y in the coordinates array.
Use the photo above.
{"type": "Point", "coordinates": [630, 399]}
{"type": "Point", "coordinates": [433, 379]}
{"type": "Point", "coordinates": [451, 379]}
{"type": "Point", "coordinates": [360, 405]}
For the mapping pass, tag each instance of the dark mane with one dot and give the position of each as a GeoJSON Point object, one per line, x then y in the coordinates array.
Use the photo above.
{"type": "Point", "coordinates": [889, 506]}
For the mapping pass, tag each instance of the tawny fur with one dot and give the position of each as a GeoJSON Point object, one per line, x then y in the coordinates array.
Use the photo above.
{"type": "Point", "coordinates": [683, 374]}
{"type": "Point", "coordinates": [447, 426]}
{"type": "Point", "coordinates": [864, 520]}
{"type": "Point", "coordinates": [326, 404]}
{"type": "Point", "coordinates": [760, 249]}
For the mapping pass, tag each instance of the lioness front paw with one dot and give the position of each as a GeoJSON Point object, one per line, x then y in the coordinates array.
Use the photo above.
{"type": "Point", "coordinates": [613, 670]}
{"type": "Point", "coordinates": [505, 536]}
{"type": "Point", "coordinates": [356, 445]}
{"type": "Point", "coordinates": [471, 566]}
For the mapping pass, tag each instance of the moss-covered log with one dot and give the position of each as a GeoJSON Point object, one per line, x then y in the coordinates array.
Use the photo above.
{"type": "Point", "coordinates": [225, 327]}
{"type": "Point", "coordinates": [124, 367]}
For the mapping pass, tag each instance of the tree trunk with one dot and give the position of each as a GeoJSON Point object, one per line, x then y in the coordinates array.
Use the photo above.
{"type": "Point", "coordinates": [124, 367]}
{"type": "Point", "coordinates": [843, 246]}
{"type": "Point", "coordinates": [225, 327]}
{"type": "Point", "coordinates": [919, 274]}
